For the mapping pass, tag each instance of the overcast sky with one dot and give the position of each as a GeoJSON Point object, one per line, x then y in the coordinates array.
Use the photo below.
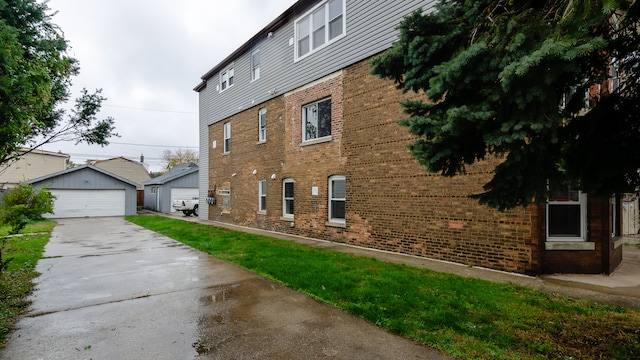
{"type": "Point", "coordinates": [147, 56]}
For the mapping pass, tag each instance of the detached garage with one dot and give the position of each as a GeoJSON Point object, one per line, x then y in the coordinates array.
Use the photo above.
{"type": "Point", "coordinates": [88, 191]}
{"type": "Point", "coordinates": [179, 183]}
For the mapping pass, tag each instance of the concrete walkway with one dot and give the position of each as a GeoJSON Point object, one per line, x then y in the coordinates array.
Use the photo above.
{"type": "Point", "coordinates": [110, 289]}
{"type": "Point", "coordinates": [622, 288]}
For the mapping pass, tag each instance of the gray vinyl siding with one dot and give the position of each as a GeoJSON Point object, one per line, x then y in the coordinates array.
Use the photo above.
{"type": "Point", "coordinates": [88, 179]}
{"type": "Point", "coordinates": [203, 156]}
{"type": "Point", "coordinates": [370, 29]}
{"type": "Point", "coordinates": [150, 198]}
{"type": "Point", "coordinates": [187, 181]}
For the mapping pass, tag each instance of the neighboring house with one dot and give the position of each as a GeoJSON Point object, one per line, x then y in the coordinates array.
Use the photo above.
{"type": "Point", "coordinates": [32, 165]}
{"type": "Point", "coordinates": [135, 171]}
{"type": "Point", "coordinates": [181, 182]}
{"type": "Point", "coordinates": [88, 191]}
{"type": "Point", "coordinates": [297, 137]}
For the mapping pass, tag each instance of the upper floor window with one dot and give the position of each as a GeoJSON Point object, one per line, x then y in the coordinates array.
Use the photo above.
{"type": "Point", "coordinates": [287, 198]}
{"type": "Point", "coordinates": [227, 137]}
{"type": "Point", "coordinates": [226, 78]}
{"type": "Point", "coordinates": [319, 27]}
{"type": "Point", "coordinates": [262, 124]}
{"type": "Point", "coordinates": [316, 120]}
{"type": "Point", "coordinates": [255, 65]}
{"type": "Point", "coordinates": [337, 198]}
{"type": "Point", "coordinates": [566, 213]}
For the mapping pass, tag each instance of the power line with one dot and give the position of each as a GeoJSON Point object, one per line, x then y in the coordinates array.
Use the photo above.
{"type": "Point", "coordinates": [150, 145]}
{"type": "Point", "coordinates": [106, 156]}
{"type": "Point", "coordinates": [147, 109]}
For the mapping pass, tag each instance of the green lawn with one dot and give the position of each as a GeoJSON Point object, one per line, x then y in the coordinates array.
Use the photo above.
{"type": "Point", "coordinates": [16, 279]}
{"type": "Point", "coordinates": [470, 318]}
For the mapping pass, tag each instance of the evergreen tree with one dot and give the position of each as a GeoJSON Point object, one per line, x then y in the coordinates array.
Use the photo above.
{"type": "Point", "coordinates": [513, 79]}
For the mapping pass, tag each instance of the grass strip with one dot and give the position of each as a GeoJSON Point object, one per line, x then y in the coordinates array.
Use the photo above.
{"type": "Point", "coordinates": [469, 318]}
{"type": "Point", "coordinates": [16, 280]}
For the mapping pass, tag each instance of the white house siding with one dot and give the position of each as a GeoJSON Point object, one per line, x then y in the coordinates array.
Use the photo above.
{"type": "Point", "coordinates": [32, 165]}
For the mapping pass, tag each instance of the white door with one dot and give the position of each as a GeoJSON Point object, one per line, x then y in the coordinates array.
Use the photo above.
{"type": "Point", "coordinates": [182, 194]}
{"type": "Point", "coordinates": [82, 203]}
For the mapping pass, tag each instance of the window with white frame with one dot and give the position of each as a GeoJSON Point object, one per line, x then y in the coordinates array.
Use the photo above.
{"type": "Point", "coordinates": [227, 137]}
{"type": "Point", "coordinates": [226, 79]}
{"type": "Point", "coordinates": [319, 27]}
{"type": "Point", "coordinates": [262, 124]}
{"type": "Point", "coordinates": [316, 120]}
{"type": "Point", "coordinates": [262, 195]}
{"type": "Point", "coordinates": [337, 198]}
{"type": "Point", "coordinates": [566, 213]}
{"type": "Point", "coordinates": [255, 65]}
{"type": "Point", "coordinates": [287, 198]}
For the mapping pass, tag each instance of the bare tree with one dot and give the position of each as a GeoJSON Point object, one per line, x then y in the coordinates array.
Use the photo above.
{"type": "Point", "coordinates": [179, 156]}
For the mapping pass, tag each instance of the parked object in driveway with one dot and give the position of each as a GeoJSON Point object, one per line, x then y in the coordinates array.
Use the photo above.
{"type": "Point", "coordinates": [187, 207]}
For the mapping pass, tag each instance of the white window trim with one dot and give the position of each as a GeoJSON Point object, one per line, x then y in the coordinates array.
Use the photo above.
{"type": "Point", "coordinates": [333, 220]}
{"type": "Point", "coordinates": [286, 216]}
{"type": "Point", "coordinates": [583, 220]}
{"type": "Point", "coordinates": [306, 141]}
{"type": "Point", "coordinates": [226, 134]}
{"type": "Point", "coordinates": [226, 72]}
{"type": "Point", "coordinates": [262, 195]}
{"type": "Point", "coordinates": [325, 3]}
{"type": "Point", "coordinates": [253, 66]}
{"type": "Point", "coordinates": [262, 136]}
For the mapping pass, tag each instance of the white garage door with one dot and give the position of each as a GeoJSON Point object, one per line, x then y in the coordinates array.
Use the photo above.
{"type": "Point", "coordinates": [182, 194]}
{"type": "Point", "coordinates": [81, 203]}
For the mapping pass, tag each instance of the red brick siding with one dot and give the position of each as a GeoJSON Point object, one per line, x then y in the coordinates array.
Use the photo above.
{"type": "Point", "coordinates": [247, 154]}
{"type": "Point", "coordinates": [392, 202]}
{"type": "Point", "coordinates": [604, 259]}
{"type": "Point", "coordinates": [284, 155]}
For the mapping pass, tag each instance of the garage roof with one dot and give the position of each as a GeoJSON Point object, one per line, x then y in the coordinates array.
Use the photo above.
{"type": "Point", "coordinates": [177, 171]}
{"type": "Point", "coordinates": [78, 168]}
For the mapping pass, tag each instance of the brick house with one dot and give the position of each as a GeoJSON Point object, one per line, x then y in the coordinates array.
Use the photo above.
{"type": "Point", "coordinates": [297, 137]}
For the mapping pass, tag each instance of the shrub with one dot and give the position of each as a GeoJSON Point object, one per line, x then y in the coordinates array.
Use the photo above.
{"type": "Point", "coordinates": [24, 203]}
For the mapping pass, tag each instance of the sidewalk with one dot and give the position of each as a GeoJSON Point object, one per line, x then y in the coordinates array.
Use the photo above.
{"type": "Point", "coordinates": [622, 288]}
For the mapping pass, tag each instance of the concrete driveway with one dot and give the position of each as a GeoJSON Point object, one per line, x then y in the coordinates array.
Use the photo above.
{"type": "Point", "coordinates": [110, 289]}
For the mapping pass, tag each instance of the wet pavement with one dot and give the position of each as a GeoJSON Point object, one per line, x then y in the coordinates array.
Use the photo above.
{"type": "Point", "coordinates": [110, 289]}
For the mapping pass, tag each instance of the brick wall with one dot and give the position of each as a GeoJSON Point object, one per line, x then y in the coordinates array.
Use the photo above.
{"type": "Point", "coordinates": [603, 259]}
{"type": "Point", "coordinates": [394, 204]}
{"type": "Point", "coordinates": [234, 171]}
{"type": "Point", "coordinates": [284, 155]}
